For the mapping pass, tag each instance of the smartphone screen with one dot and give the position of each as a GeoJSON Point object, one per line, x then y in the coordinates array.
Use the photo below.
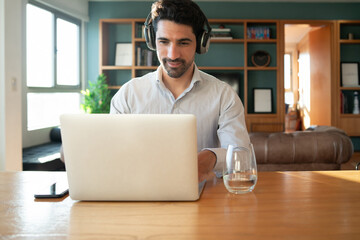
{"type": "Point", "coordinates": [55, 190]}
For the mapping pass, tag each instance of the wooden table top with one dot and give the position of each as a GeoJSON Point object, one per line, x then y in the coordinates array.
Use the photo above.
{"type": "Point", "coordinates": [284, 205]}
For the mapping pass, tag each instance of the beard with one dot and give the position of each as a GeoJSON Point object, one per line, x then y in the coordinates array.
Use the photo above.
{"type": "Point", "coordinates": [176, 72]}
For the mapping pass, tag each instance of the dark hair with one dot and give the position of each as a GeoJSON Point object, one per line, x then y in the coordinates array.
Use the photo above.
{"type": "Point", "coordinates": [180, 11]}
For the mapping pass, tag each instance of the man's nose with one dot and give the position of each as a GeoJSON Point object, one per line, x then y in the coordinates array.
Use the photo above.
{"type": "Point", "coordinates": [173, 52]}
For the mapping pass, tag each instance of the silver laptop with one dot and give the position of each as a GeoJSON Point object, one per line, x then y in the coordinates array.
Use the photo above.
{"type": "Point", "coordinates": [131, 157]}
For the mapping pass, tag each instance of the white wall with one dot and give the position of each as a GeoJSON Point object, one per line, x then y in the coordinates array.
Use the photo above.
{"type": "Point", "coordinates": [75, 8]}
{"type": "Point", "coordinates": [2, 86]}
{"type": "Point", "coordinates": [10, 85]}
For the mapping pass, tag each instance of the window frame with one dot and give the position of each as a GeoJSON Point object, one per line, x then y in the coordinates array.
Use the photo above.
{"type": "Point", "coordinates": [56, 87]}
{"type": "Point", "coordinates": [291, 72]}
{"type": "Point", "coordinates": [42, 133]}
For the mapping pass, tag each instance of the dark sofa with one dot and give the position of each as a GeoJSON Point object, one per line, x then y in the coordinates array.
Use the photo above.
{"type": "Point", "coordinates": [320, 148]}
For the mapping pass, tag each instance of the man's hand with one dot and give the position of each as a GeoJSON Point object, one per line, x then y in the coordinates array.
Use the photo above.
{"type": "Point", "coordinates": [206, 163]}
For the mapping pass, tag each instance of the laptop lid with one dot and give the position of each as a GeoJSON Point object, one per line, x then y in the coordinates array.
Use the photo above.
{"type": "Point", "coordinates": [130, 157]}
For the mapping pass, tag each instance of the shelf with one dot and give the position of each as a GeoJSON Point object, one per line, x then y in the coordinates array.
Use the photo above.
{"type": "Point", "coordinates": [262, 68]}
{"type": "Point", "coordinates": [347, 41]}
{"type": "Point", "coordinates": [214, 40]}
{"type": "Point", "coordinates": [139, 39]}
{"type": "Point", "coordinates": [146, 67]}
{"type": "Point", "coordinates": [116, 67]}
{"type": "Point", "coordinates": [114, 87]}
{"type": "Point", "coordinates": [220, 68]}
{"type": "Point", "coordinates": [350, 88]}
{"type": "Point", "coordinates": [348, 51]}
{"type": "Point", "coordinates": [349, 115]}
{"type": "Point", "coordinates": [261, 40]}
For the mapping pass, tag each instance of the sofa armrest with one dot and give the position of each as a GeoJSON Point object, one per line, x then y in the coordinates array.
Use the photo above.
{"type": "Point", "coordinates": [333, 147]}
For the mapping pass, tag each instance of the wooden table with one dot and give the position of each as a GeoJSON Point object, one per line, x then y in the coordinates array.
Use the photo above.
{"type": "Point", "coordinates": [284, 205]}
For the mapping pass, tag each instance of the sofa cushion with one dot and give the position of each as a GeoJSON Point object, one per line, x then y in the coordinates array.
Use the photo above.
{"type": "Point", "coordinates": [313, 148]}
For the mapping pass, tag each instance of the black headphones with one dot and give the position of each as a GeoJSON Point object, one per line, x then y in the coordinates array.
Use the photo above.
{"type": "Point", "coordinates": [202, 43]}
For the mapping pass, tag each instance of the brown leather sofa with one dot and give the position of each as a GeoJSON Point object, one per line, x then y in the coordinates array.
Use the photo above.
{"type": "Point", "coordinates": [322, 148]}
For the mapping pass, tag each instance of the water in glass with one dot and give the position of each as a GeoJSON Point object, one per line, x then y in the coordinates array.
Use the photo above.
{"type": "Point", "coordinates": [240, 171]}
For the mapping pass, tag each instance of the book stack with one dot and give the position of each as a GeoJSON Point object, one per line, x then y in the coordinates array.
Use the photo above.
{"type": "Point", "coordinates": [139, 33]}
{"type": "Point", "coordinates": [258, 33]}
{"type": "Point", "coordinates": [221, 33]}
{"type": "Point", "coordinates": [146, 57]}
{"type": "Point", "coordinates": [343, 103]}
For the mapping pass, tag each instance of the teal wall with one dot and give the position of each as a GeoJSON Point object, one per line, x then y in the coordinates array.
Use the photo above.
{"type": "Point", "coordinates": [237, 10]}
{"type": "Point", "coordinates": [226, 10]}
{"type": "Point", "coordinates": [356, 143]}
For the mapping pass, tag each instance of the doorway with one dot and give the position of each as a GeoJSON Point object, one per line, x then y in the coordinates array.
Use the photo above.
{"type": "Point", "coordinates": [308, 76]}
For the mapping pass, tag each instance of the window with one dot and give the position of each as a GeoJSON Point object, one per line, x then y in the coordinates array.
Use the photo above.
{"type": "Point", "coordinates": [287, 71]}
{"type": "Point", "coordinates": [289, 95]}
{"type": "Point", "coordinates": [52, 66]}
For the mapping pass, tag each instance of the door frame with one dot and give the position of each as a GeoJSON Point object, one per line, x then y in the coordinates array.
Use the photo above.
{"type": "Point", "coordinates": [333, 62]}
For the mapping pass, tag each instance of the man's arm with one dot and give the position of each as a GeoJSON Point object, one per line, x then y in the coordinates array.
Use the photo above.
{"type": "Point", "coordinates": [206, 163]}
{"type": "Point", "coordinates": [231, 129]}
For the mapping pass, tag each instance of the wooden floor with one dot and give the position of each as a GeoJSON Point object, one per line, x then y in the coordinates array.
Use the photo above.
{"type": "Point", "coordinates": [350, 165]}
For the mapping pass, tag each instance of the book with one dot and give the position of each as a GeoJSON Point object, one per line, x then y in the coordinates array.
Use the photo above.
{"type": "Point", "coordinates": [146, 57]}
{"type": "Point", "coordinates": [221, 30]}
{"type": "Point", "coordinates": [221, 33]}
{"type": "Point", "coordinates": [258, 33]}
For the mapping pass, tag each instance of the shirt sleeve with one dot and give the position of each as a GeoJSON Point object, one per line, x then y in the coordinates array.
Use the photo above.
{"type": "Point", "coordinates": [231, 127]}
{"type": "Point", "coordinates": [118, 104]}
{"type": "Point", "coordinates": [220, 154]}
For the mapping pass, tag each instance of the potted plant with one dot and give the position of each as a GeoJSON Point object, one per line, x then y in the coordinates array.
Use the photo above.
{"type": "Point", "coordinates": [97, 96]}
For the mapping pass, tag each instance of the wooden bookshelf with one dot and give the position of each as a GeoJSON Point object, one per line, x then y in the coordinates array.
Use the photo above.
{"type": "Point", "coordinates": [347, 51]}
{"type": "Point", "coordinates": [225, 56]}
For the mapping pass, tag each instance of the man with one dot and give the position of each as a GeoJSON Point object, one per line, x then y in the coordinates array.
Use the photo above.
{"type": "Point", "coordinates": [175, 28]}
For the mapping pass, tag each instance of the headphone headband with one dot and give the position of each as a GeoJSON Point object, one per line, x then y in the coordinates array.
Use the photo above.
{"type": "Point", "coordinates": [202, 41]}
{"type": "Point", "coordinates": [149, 33]}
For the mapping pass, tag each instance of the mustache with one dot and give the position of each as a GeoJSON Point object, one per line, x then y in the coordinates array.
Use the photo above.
{"type": "Point", "coordinates": [165, 60]}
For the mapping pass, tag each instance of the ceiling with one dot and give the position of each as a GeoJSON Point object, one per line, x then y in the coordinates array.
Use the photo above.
{"type": "Point", "coordinates": [295, 32]}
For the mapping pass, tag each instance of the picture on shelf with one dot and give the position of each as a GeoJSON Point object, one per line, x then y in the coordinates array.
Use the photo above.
{"type": "Point", "coordinates": [123, 54]}
{"type": "Point", "coordinates": [350, 74]}
{"type": "Point", "coordinates": [233, 79]}
{"type": "Point", "coordinates": [262, 100]}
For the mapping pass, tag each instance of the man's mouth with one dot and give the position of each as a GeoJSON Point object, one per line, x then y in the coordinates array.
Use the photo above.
{"type": "Point", "coordinates": [173, 63]}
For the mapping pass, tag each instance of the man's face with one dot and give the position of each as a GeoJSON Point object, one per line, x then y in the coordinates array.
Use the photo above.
{"type": "Point", "coordinates": [176, 46]}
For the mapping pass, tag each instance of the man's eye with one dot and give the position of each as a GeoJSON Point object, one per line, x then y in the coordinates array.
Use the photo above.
{"type": "Point", "coordinates": [184, 43]}
{"type": "Point", "coordinates": [163, 42]}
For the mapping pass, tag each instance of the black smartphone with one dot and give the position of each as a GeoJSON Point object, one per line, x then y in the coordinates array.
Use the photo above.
{"type": "Point", "coordinates": [55, 190]}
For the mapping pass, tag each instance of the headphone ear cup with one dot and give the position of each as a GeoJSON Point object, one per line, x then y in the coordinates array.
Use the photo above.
{"type": "Point", "coordinates": [149, 35]}
{"type": "Point", "coordinates": [204, 43]}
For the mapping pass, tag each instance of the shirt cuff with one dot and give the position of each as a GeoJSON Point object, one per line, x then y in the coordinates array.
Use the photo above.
{"type": "Point", "coordinates": [220, 154]}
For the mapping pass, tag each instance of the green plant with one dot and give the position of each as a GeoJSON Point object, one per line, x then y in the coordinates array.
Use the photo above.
{"type": "Point", "coordinates": [97, 96]}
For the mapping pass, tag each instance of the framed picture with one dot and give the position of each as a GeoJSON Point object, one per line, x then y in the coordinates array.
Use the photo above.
{"type": "Point", "coordinates": [233, 79]}
{"type": "Point", "coordinates": [123, 54]}
{"type": "Point", "coordinates": [350, 74]}
{"type": "Point", "coordinates": [262, 100]}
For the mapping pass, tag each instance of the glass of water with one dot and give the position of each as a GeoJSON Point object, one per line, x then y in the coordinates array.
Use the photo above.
{"type": "Point", "coordinates": [240, 171]}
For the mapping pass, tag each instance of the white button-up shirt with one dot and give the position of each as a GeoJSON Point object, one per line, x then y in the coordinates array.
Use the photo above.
{"type": "Point", "coordinates": [217, 107]}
